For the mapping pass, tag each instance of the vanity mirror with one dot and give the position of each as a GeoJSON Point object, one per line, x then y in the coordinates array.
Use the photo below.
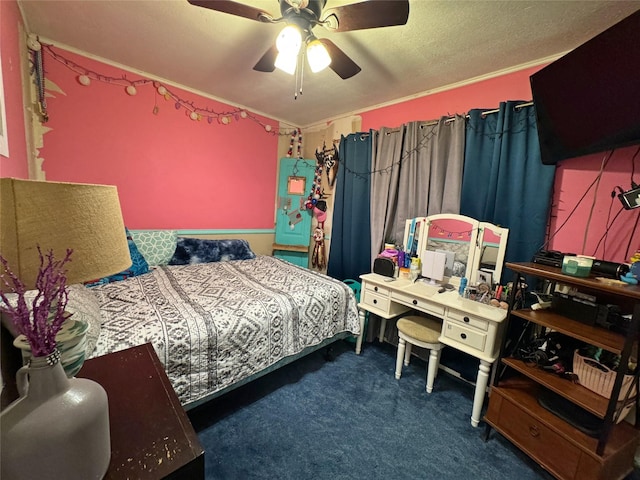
{"type": "Point", "coordinates": [450, 234]}
{"type": "Point", "coordinates": [413, 233]}
{"type": "Point", "coordinates": [472, 248]}
{"type": "Point", "coordinates": [456, 236]}
{"type": "Point", "coordinates": [493, 245]}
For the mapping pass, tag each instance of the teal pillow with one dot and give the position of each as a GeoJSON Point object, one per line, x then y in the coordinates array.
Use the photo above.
{"type": "Point", "coordinates": [156, 246]}
{"type": "Point", "coordinates": [138, 267]}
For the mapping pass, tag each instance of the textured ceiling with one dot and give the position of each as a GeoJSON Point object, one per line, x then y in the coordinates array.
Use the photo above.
{"type": "Point", "coordinates": [443, 43]}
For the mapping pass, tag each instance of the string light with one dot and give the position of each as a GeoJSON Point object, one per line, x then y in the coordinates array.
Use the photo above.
{"type": "Point", "coordinates": [194, 112]}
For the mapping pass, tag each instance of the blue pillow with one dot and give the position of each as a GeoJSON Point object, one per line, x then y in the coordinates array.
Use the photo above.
{"type": "Point", "coordinates": [195, 250]}
{"type": "Point", "coordinates": [138, 267]}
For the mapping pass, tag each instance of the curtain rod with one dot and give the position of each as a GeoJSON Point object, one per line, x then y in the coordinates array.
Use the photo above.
{"type": "Point", "coordinates": [430, 123]}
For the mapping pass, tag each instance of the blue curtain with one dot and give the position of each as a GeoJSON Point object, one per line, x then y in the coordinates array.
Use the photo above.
{"type": "Point", "coordinates": [350, 251]}
{"type": "Point", "coordinates": [504, 181]}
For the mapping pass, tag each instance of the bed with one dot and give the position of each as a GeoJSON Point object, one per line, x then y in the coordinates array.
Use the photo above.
{"type": "Point", "coordinates": [218, 325]}
{"type": "Point", "coordinates": [217, 315]}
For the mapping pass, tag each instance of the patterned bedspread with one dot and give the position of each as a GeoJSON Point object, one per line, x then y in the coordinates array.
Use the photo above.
{"type": "Point", "coordinates": [214, 324]}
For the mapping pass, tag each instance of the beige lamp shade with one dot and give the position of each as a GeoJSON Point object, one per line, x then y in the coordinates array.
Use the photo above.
{"type": "Point", "coordinates": [59, 216]}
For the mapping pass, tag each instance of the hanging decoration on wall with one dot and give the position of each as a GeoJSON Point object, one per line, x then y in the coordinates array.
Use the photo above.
{"type": "Point", "coordinates": [294, 218]}
{"type": "Point", "coordinates": [37, 70]}
{"type": "Point", "coordinates": [319, 257]}
{"type": "Point", "coordinates": [297, 133]}
{"type": "Point", "coordinates": [131, 87]}
{"type": "Point", "coordinates": [316, 188]}
{"type": "Point", "coordinates": [329, 158]}
{"type": "Point", "coordinates": [284, 203]}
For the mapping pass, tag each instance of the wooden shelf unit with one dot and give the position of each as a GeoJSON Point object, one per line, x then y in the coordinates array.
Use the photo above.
{"type": "Point", "coordinates": [514, 410]}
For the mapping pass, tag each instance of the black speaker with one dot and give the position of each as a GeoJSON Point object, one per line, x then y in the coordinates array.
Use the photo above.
{"type": "Point", "coordinates": [602, 268]}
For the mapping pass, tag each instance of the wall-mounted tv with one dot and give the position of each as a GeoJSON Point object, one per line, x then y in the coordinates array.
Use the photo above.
{"type": "Point", "coordinates": [588, 101]}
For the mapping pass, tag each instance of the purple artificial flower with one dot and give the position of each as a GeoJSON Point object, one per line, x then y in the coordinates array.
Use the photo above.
{"type": "Point", "coordinates": [43, 321]}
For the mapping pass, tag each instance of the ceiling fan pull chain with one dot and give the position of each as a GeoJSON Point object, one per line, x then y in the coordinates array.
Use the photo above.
{"type": "Point", "coordinates": [299, 74]}
{"type": "Point", "coordinates": [301, 69]}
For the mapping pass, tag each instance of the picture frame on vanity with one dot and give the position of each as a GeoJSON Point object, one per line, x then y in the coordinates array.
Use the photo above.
{"type": "Point", "coordinates": [484, 277]}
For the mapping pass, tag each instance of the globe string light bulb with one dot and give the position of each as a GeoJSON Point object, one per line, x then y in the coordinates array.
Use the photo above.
{"type": "Point", "coordinates": [162, 90]}
{"type": "Point", "coordinates": [131, 90]}
{"type": "Point", "coordinates": [243, 114]}
{"type": "Point", "coordinates": [267, 128]}
{"type": "Point", "coordinates": [84, 80]}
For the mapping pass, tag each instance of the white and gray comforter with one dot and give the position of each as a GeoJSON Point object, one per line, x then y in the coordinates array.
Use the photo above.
{"type": "Point", "coordinates": [214, 324]}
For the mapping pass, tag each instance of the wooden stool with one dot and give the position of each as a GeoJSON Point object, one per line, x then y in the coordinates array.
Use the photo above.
{"type": "Point", "coordinates": [423, 332]}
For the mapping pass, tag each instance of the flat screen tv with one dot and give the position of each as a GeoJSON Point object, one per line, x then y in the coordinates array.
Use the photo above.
{"type": "Point", "coordinates": [588, 101]}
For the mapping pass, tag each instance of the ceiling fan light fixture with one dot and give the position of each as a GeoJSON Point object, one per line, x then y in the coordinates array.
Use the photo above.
{"type": "Point", "coordinates": [298, 3]}
{"type": "Point", "coordinates": [287, 62]}
{"type": "Point", "coordinates": [289, 40]}
{"type": "Point", "coordinates": [317, 56]}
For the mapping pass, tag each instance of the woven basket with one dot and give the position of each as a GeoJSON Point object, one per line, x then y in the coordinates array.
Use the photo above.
{"type": "Point", "coordinates": [598, 378]}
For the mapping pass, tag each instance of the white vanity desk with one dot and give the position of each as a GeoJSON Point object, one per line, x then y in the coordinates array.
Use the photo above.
{"type": "Point", "coordinates": [468, 326]}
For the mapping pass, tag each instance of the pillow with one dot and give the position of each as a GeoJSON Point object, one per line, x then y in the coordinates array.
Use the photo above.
{"type": "Point", "coordinates": [156, 246]}
{"type": "Point", "coordinates": [138, 267]}
{"type": "Point", "coordinates": [194, 250]}
{"type": "Point", "coordinates": [84, 306]}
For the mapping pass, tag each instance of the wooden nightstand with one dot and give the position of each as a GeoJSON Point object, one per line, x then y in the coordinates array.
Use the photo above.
{"type": "Point", "coordinates": [151, 435]}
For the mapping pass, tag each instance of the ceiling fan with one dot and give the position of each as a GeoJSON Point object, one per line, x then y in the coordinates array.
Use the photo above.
{"type": "Point", "coordinates": [301, 16]}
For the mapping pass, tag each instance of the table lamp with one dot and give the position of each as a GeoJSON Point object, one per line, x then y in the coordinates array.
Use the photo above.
{"type": "Point", "coordinates": [56, 216]}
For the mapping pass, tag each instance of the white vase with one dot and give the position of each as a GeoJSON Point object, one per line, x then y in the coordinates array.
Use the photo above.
{"type": "Point", "coordinates": [57, 429]}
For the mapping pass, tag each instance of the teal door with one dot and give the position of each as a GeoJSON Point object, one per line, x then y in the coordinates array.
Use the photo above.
{"type": "Point", "coordinates": [293, 220]}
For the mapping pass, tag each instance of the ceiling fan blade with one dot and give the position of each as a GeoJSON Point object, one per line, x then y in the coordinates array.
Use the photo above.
{"type": "Point", "coordinates": [367, 14]}
{"type": "Point", "coordinates": [268, 61]}
{"type": "Point", "coordinates": [234, 8]}
{"type": "Point", "coordinates": [340, 62]}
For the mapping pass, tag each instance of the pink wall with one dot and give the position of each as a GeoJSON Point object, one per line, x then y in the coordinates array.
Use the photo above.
{"type": "Point", "coordinates": [573, 176]}
{"type": "Point", "coordinates": [171, 171]}
{"type": "Point", "coordinates": [484, 94]}
{"type": "Point", "coordinates": [16, 165]}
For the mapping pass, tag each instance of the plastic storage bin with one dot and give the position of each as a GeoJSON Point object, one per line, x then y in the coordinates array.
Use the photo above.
{"type": "Point", "coordinates": [577, 266]}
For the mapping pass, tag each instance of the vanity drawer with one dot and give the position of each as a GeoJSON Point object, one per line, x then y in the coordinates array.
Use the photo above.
{"type": "Point", "coordinates": [381, 304]}
{"type": "Point", "coordinates": [476, 322]}
{"type": "Point", "coordinates": [465, 335]}
{"type": "Point", "coordinates": [380, 290]}
{"type": "Point", "coordinates": [418, 303]}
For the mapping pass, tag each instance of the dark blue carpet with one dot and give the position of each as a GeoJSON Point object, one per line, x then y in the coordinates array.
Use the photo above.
{"type": "Point", "coordinates": [351, 419]}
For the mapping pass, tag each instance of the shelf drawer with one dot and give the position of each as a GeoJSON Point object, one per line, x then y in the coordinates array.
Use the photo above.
{"type": "Point", "coordinates": [467, 319]}
{"type": "Point", "coordinates": [540, 442]}
{"type": "Point", "coordinates": [463, 334]}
